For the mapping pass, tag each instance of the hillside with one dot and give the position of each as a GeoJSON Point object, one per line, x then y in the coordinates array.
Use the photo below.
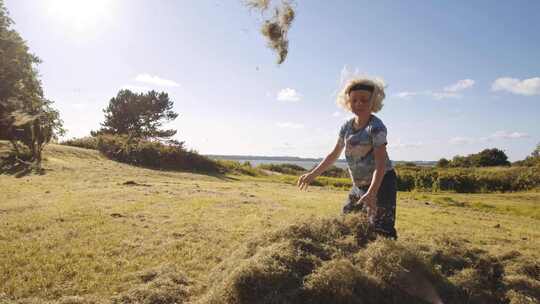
{"type": "Point", "coordinates": [90, 226]}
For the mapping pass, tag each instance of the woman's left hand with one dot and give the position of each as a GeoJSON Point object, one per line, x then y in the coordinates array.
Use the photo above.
{"type": "Point", "coordinates": [368, 199]}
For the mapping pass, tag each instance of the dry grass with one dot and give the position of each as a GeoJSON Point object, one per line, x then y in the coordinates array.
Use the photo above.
{"type": "Point", "coordinates": [81, 234]}
{"type": "Point", "coordinates": [276, 27]}
{"type": "Point", "coordinates": [338, 261]}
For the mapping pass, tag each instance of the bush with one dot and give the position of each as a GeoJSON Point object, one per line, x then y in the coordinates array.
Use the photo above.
{"type": "Point", "coordinates": [424, 179]}
{"type": "Point", "coordinates": [155, 154]}
{"type": "Point", "coordinates": [485, 158]}
{"type": "Point", "coordinates": [335, 171]}
{"type": "Point", "coordinates": [528, 178]}
{"type": "Point", "coordinates": [443, 163]}
{"type": "Point", "coordinates": [235, 167]}
{"type": "Point", "coordinates": [487, 180]}
{"type": "Point", "coordinates": [87, 142]}
{"type": "Point", "coordinates": [462, 181]}
{"type": "Point", "coordinates": [290, 169]}
{"type": "Point", "coordinates": [405, 180]}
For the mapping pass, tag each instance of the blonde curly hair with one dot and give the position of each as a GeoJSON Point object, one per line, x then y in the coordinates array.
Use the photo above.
{"type": "Point", "coordinates": [377, 96]}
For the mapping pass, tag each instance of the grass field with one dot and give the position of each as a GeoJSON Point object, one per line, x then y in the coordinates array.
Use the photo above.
{"type": "Point", "coordinates": [89, 225]}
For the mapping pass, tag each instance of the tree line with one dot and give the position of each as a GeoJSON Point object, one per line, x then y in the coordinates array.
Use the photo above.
{"type": "Point", "coordinates": [489, 158]}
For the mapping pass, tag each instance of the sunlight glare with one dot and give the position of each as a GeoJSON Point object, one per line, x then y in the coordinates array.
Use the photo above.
{"type": "Point", "coordinates": [80, 16]}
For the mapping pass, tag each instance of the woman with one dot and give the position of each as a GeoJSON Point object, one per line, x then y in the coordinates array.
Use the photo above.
{"type": "Point", "coordinates": [364, 140]}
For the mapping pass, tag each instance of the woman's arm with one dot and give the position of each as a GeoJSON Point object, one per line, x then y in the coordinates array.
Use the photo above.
{"type": "Point", "coordinates": [306, 179]}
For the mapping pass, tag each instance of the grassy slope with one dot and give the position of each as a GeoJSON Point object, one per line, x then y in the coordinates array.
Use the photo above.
{"type": "Point", "coordinates": [80, 230]}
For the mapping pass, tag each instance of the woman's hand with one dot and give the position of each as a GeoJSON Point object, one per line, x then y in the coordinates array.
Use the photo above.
{"type": "Point", "coordinates": [369, 200]}
{"type": "Point", "coordinates": [305, 180]}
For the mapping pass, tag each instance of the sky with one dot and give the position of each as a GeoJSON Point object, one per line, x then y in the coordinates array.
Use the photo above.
{"type": "Point", "coordinates": [461, 76]}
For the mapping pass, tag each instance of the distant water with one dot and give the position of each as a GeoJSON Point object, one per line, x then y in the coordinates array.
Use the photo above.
{"type": "Point", "coordinates": [302, 163]}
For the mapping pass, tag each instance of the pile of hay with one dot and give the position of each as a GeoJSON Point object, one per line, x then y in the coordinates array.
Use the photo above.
{"type": "Point", "coordinates": [162, 285]}
{"type": "Point", "coordinates": [338, 261]}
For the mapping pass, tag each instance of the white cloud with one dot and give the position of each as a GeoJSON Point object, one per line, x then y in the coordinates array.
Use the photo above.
{"type": "Point", "coordinates": [443, 95]}
{"type": "Point", "coordinates": [460, 85]}
{"type": "Point", "coordinates": [527, 87]}
{"type": "Point", "coordinates": [508, 135]}
{"type": "Point", "coordinates": [290, 125]}
{"type": "Point", "coordinates": [436, 95]}
{"type": "Point", "coordinates": [450, 91]}
{"type": "Point", "coordinates": [402, 145]}
{"type": "Point", "coordinates": [499, 135]}
{"type": "Point", "coordinates": [156, 80]}
{"type": "Point", "coordinates": [461, 140]}
{"type": "Point", "coordinates": [288, 94]}
{"type": "Point", "coordinates": [406, 95]}
{"type": "Point", "coordinates": [135, 88]}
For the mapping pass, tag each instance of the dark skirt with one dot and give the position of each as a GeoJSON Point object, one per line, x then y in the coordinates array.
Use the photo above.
{"type": "Point", "coordinates": [384, 221]}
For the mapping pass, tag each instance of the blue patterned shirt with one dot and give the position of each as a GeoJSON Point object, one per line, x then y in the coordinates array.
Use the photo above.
{"type": "Point", "coordinates": [359, 145]}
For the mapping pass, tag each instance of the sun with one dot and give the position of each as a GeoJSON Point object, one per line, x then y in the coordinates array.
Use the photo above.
{"type": "Point", "coordinates": [80, 16]}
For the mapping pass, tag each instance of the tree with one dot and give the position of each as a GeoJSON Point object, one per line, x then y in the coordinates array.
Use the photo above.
{"type": "Point", "coordinates": [461, 161]}
{"type": "Point", "coordinates": [138, 115]}
{"type": "Point", "coordinates": [484, 158]}
{"type": "Point", "coordinates": [490, 157]}
{"type": "Point", "coordinates": [536, 152]}
{"type": "Point", "coordinates": [25, 115]}
{"type": "Point", "coordinates": [531, 160]}
{"type": "Point", "coordinates": [443, 163]}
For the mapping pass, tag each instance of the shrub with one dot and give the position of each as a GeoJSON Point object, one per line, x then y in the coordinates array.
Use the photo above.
{"type": "Point", "coordinates": [527, 178]}
{"type": "Point", "coordinates": [290, 169]}
{"type": "Point", "coordinates": [154, 154]}
{"type": "Point", "coordinates": [87, 142]}
{"type": "Point", "coordinates": [485, 158]}
{"type": "Point", "coordinates": [424, 179]}
{"type": "Point", "coordinates": [405, 180]}
{"type": "Point", "coordinates": [443, 163]}
{"type": "Point", "coordinates": [456, 180]}
{"type": "Point", "coordinates": [487, 180]}
{"type": "Point", "coordinates": [235, 167]}
{"type": "Point", "coordinates": [335, 171]}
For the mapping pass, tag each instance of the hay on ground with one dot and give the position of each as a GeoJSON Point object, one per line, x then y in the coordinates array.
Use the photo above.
{"type": "Point", "coordinates": [340, 261]}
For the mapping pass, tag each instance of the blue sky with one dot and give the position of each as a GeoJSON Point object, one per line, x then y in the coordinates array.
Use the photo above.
{"type": "Point", "coordinates": [462, 75]}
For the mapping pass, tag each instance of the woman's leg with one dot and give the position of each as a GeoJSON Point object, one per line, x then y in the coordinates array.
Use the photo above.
{"type": "Point", "coordinates": [386, 206]}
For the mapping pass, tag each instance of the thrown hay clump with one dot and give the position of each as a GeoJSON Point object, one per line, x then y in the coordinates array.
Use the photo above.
{"type": "Point", "coordinates": [275, 28]}
{"type": "Point", "coordinates": [340, 261]}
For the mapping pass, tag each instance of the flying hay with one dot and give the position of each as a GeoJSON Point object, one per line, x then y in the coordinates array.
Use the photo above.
{"type": "Point", "coordinates": [275, 28]}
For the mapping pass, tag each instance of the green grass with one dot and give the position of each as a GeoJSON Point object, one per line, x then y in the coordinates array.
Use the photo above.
{"type": "Point", "coordinates": [523, 204]}
{"type": "Point", "coordinates": [80, 230]}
